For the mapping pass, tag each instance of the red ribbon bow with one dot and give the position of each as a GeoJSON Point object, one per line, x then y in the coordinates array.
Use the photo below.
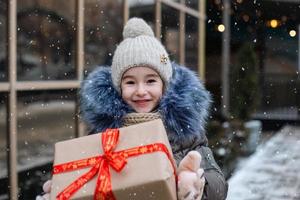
{"type": "Point", "coordinates": [100, 165]}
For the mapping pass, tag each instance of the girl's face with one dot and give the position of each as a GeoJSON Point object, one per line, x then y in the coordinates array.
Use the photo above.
{"type": "Point", "coordinates": [141, 88]}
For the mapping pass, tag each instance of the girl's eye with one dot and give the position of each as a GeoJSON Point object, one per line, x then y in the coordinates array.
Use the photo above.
{"type": "Point", "coordinates": [129, 82]}
{"type": "Point", "coordinates": [151, 81]}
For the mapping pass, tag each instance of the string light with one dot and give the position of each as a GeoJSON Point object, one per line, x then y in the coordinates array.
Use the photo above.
{"type": "Point", "coordinates": [274, 23]}
{"type": "Point", "coordinates": [292, 33]}
{"type": "Point", "coordinates": [221, 28]}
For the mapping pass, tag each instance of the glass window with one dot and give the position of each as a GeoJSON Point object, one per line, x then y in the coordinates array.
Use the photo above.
{"type": "Point", "coordinates": [3, 144]}
{"type": "Point", "coordinates": [3, 32]}
{"type": "Point", "coordinates": [213, 48]}
{"type": "Point", "coordinates": [274, 37]}
{"type": "Point", "coordinates": [191, 42]}
{"type": "Point", "coordinates": [280, 58]}
{"type": "Point", "coordinates": [193, 4]}
{"type": "Point", "coordinates": [46, 40]}
{"type": "Point", "coordinates": [143, 10]}
{"type": "Point", "coordinates": [103, 31]}
{"type": "Point", "coordinates": [44, 118]}
{"type": "Point", "coordinates": [170, 31]}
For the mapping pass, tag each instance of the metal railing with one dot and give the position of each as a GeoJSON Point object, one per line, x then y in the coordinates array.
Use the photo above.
{"type": "Point", "coordinates": [13, 86]}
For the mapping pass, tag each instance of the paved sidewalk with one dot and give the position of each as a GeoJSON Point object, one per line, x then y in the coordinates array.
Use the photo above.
{"type": "Point", "coordinates": [273, 172]}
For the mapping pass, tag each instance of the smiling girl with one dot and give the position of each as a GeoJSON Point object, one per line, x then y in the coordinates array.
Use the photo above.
{"type": "Point", "coordinates": [141, 85]}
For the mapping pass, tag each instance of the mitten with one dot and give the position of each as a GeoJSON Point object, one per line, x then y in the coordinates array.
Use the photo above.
{"type": "Point", "coordinates": [190, 177]}
{"type": "Point", "coordinates": [47, 189]}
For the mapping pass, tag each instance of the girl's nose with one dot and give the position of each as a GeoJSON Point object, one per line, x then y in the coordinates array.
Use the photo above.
{"type": "Point", "coordinates": [141, 90]}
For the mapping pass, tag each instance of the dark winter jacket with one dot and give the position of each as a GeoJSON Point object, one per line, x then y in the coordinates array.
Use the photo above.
{"type": "Point", "coordinates": [183, 107]}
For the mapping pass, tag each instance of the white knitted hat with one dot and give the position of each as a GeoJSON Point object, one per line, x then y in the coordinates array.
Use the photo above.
{"type": "Point", "coordinates": [139, 48]}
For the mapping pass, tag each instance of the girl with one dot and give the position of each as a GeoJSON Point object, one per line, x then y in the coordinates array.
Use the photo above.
{"type": "Point", "coordinates": [141, 85]}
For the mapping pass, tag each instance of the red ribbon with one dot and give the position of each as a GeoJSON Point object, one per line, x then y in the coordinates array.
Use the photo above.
{"type": "Point", "coordinates": [100, 166]}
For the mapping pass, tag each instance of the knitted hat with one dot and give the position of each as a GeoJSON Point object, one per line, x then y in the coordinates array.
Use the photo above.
{"type": "Point", "coordinates": [140, 48]}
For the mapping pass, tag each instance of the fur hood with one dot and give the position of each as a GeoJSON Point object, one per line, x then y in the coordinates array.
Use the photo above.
{"type": "Point", "coordinates": [183, 107]}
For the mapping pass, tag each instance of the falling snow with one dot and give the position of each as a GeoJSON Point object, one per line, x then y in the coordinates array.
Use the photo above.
{"type": "Point", "coordinates": [46, 50]}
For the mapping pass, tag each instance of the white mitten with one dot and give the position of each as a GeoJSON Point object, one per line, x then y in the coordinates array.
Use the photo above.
{"type": "Point", "coordinates": [190, 177]}
{"type": "Point", "coordinates": [47, 189]}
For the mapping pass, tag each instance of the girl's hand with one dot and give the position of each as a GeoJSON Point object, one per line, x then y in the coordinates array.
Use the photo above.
{"type": "Point", "coordinates": [190, 177]}
{"type": "Point", "coordinates": [47, 190]}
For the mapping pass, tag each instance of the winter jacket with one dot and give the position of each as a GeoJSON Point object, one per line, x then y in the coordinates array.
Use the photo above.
{"type": "Point", "coordinates": [183, 108]}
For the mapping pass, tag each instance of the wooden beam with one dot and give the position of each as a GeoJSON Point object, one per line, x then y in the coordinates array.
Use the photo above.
{"type": "Point", "coordinates": [158, 19]}
{"type": "Point", "coordinates": [46, 85]}
{"type": "Point", "coordinates": [125, 12]}
{"type": "Point", "coordinates": [12, 100]}
{"type": "Point", "coordinates": [201, 39]}
{"type": "Point", "coordinates": [4, 87]}
{"type": "Point", "coordinates": [182, 34]}
{"type": "Point", "coordinates": [79, 131]}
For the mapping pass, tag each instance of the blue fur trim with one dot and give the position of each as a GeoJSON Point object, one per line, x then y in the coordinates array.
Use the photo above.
{"type": "Point", "coordinates": [183, 107]}
{"type": "Point", "coordinates": [101, 105]}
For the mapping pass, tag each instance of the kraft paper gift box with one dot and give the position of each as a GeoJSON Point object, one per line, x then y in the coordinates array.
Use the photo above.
{"type": "Point", "coordinates": [147, 176]}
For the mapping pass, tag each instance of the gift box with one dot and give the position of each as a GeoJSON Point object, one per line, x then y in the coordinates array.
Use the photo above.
{"type": "Point", "coordinates": [133, 162]}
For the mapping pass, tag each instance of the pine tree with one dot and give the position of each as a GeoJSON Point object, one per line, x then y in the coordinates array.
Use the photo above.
{"type": "Point", "coordinates": [244, 88]}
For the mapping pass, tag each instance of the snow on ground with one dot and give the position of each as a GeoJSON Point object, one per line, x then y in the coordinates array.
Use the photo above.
{"type": "Point", "coordinates": [272, 173]}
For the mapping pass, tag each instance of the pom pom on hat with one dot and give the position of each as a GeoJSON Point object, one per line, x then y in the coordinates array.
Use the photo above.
{"type": "Point", "coordinates": [136, 27]}
{"type": "Point", "coordinates": [140, 48]}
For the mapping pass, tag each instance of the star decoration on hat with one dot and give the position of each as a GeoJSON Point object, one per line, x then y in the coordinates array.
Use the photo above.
{"type": "Point", "coordinates": [163, 59]}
